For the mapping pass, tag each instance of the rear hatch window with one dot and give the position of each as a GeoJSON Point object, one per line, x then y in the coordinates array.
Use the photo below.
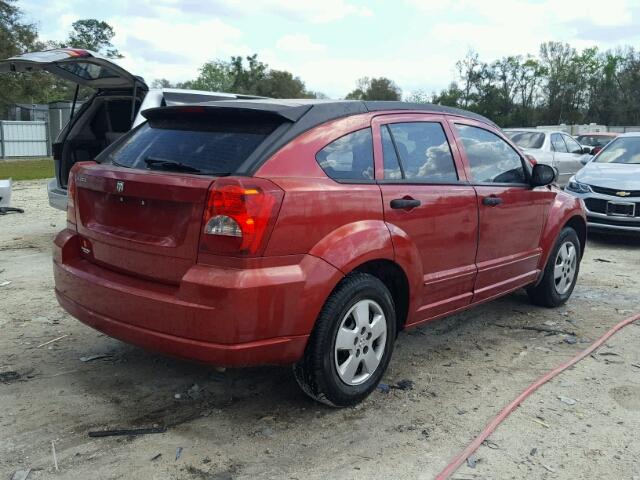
{"type": "Point", "coordinates": [201, 143]}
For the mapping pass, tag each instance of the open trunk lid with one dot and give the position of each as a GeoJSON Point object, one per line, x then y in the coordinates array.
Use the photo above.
{"type": "Point", "coordinates": [81, 66]}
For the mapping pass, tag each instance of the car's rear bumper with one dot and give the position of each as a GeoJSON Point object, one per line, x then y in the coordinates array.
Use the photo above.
{"type": "Point", "coordinates": [219, 315]}
{"type": "Point", "coordinates": [261, 352]}
{"type": "Point", "coordinates": [57, 195]}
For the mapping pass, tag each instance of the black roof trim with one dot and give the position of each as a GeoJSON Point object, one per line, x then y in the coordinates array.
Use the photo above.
{"type": "Point", "coordinates": [380, 106]}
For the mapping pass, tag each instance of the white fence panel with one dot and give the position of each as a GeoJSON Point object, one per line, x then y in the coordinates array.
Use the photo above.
{"type": "Point", "coordinates": [23, 139]}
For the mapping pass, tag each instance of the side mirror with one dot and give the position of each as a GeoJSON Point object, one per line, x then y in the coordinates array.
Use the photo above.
{"type": "Point", "coordinates": [543, 175]}
{"type": "Point", "coordinates": [587, 150]}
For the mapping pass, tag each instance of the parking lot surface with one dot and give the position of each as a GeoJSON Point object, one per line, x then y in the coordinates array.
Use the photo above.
{"type": "Point", "coordinates": [447, 379]}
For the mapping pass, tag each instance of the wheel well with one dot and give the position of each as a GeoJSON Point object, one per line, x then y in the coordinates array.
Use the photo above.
{"type": "Point", "coordinates": [579, 225]}
{"type": "Point", "coordinates": [394, 278]}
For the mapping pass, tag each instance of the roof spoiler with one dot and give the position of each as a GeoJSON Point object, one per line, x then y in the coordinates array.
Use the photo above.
{"type": "Point", "coordinates": [230, 107]}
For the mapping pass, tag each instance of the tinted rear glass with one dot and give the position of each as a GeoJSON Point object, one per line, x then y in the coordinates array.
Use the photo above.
{"type": "Point", "coordinates": [527, 139]}
{"type": "Point", "coordinates": [87, 71]}
{"type": "Point", "coordinates": [213, 147]}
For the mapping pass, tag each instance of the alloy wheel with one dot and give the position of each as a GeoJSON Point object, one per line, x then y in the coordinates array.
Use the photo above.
{"type": "Point", "coordinates": [360, 342]}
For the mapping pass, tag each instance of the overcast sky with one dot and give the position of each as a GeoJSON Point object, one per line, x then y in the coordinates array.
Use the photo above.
{"type": "Point", "coordinates": [331, 43]}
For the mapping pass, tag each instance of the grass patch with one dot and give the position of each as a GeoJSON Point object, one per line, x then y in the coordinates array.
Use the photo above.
{"type": "Point", "coordinates": [27, 169]}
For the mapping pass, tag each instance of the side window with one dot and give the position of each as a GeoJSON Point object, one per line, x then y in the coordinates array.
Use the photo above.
{"type": "Point", "coordinates": [423, 151]}
{"type": "Point", "coordinates": [349, 157]}
{"type": "Point", "coordinates": [572, 145]}
{"type": "Point", "coordinates": [492, 160]}
{"type": "Point", "coordinates": [389, 157]}
{"type": "Point", "coordinates": [557, 143]}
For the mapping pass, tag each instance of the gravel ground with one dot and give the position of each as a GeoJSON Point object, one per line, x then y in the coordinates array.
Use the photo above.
{"type": "Point", "coordinates": [255, 423]}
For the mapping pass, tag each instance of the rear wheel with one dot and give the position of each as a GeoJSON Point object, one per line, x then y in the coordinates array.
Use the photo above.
{"type": "Point", "coordinates": [351, 344]}
{"type": "Point", "coordinates": [560, 273]}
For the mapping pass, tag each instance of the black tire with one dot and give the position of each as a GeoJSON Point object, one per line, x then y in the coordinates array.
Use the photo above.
{"type": "Point", "coordinates": [546, 293]}
{"type": "Point", "coordinates": [316, 372]}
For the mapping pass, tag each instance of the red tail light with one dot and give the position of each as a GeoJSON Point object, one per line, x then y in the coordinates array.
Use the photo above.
{"type": "Point", "coordinates": [239, 216]}
{"type": "Point", "coordinates": [72, 191]}
{"type": "Point", "coordinates": [71, 196]}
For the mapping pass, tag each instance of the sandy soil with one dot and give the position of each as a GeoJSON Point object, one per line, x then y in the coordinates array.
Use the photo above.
{"type": "Point", "coordinates": [256, 423]}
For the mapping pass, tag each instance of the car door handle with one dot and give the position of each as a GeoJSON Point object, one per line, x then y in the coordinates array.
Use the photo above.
{"type": "Point", "coordinates": [405, 203]}
{"type": "Point", "coordinates": [491, 201]}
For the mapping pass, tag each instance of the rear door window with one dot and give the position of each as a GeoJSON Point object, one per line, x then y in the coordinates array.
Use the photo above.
{"type": "Point", "coordinates": [492, 160]}
{"type": "Point", "coordinates": [423, 151]}
{"type": "Point", "coordinates": [558, 143]}
{"type": "Point", "coordinates": [210, 146]}
{"type": "Point", "coordinates": [572, 145]}
{"type": "Point", "coordinates": [349, 157]}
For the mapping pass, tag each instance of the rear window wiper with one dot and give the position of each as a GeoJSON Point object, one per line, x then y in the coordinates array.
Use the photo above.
{"type": "Point", "coordinates": [169, 165]}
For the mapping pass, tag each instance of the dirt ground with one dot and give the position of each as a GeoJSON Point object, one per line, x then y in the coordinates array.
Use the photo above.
{"type": "Point", "coordinates": [256, 423]}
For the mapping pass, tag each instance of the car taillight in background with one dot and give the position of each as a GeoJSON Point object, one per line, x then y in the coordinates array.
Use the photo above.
{"type": "Point", "coordinates": [72, 191]}
{"type": "Point", "coordinates": [532, 159]}
{"type": "Point", "coordinates": [239, 216]}
{"type": "Point", "coordinates": [71, 195]}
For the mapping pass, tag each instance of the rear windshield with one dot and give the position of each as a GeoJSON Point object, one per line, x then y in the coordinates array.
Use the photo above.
{"type": "Point", "coordinates": [527, 139]}
{"type": "Point", "coordinates": [621, 150]}
{"type": "Point", "coordinates": [208, 147]}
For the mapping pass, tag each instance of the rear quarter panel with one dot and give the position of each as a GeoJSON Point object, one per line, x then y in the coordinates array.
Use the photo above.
{"type": "Point", "coordinates": [340, 223]}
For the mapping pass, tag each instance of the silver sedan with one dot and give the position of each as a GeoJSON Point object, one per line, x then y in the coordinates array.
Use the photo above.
{"type": "Point", "coordinates": [610, 186]}
{"type": "Point", "coordinates": [552, 147]}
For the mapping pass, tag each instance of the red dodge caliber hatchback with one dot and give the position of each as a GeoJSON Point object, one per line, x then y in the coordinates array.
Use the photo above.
{"type": "Point", "coordinates": [308, 233]}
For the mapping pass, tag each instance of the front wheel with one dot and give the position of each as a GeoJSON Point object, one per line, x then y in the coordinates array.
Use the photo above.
{"type": "Point", "coordinates": [560, 273]}
{"type": "Point", "coordinates": [351, 344]}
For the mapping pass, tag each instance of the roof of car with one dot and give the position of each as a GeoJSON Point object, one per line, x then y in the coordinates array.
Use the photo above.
{"type": "Point", "coordinates": [598, 134]}
{"type": "Point", "coordinates": [318, 111]}
{"type": "Point", "coordinates": [534, 130]}
{"type": "Point", "coordinates": [630, 134]}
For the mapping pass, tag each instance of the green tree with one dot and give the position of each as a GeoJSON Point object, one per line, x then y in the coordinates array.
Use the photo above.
{"type": "Point", "coordinates": [95, 35]}
{"type": "Point", "coordinates": [248, 76]}
{"type": "Point", "coordinates": [215, 76]}
{"type": "Point", "coordinates": [380, 88]}
{"type": "Point", "coordinates": [17, 37]}
{"type": "Point", "coordinates": [163, 83]}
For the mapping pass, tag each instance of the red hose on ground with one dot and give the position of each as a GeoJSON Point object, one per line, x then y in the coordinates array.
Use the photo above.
{"type": "Point", "coordinates": [504, 413]}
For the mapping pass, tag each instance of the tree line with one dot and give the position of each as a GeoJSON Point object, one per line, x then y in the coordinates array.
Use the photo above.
{"type": "Point", "coordinates": [558, 85]}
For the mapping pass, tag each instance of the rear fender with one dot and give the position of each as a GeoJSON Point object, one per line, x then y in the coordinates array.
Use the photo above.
{"type": "Point", "coordinates": [355, 243]}
{"type": "Point", "coordinates": [408, 257]}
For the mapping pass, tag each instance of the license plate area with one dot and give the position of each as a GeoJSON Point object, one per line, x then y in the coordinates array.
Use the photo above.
{"type": "Point", "coordinates": [621, 209]}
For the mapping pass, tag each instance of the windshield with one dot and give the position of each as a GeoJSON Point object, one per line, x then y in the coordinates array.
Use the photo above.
{"type": "Point", "coordinates": [594, 140]}
{"type": "Point", "coordinates": [205, 147]}
{"type": "Point", "coordinates": [527, 139]}
{"type": "Point", "coordinates": [621, 150]}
